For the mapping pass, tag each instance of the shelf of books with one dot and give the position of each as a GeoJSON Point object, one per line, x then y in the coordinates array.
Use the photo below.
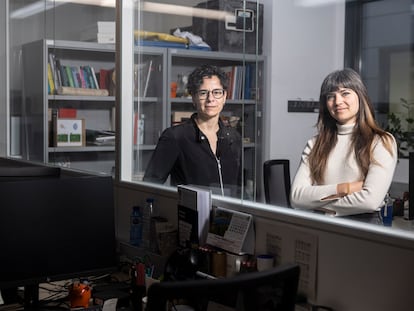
{"type": "Point", "coordinates": [69, 102]}
{"type": "Point", "coordinates": [69, 89]}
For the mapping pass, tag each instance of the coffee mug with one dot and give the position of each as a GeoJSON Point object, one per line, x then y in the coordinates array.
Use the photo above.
{"type": "Point", "coordinates": [264, 262]}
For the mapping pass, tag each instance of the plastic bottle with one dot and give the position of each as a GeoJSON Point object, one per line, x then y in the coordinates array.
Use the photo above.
{"type": "Point", "coordinates": [387, 211]}
{"type": "Point", "coordinates": [135, 231]}
{"type": "Point", "coordinates": [147, 214]}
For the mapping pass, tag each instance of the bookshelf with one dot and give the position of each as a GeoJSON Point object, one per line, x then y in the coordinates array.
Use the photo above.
{"type": "Point", "coordinates": [47, 98]}
{"type": "Point", "coordinates": [96, 107]}
{"type": "Point", "coordinates": [154, 108]}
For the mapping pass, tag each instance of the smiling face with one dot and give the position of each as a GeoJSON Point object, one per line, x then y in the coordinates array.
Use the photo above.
{"type": "Point", "coordinates": [343, 105]}
{"type": "Point", "coordinates": [210, 98]}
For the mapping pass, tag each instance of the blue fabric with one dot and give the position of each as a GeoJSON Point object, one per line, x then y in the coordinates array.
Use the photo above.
{"type": "Point", "coordinates": [164, 44]}
{"type": "Point", "coordinates": [167, 44]}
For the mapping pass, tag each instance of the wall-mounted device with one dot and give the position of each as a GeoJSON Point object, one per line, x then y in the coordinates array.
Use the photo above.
{"type": "Point", "coordinates": [240, 31]}
{"type": "Point", "coordinates": [243, 20]}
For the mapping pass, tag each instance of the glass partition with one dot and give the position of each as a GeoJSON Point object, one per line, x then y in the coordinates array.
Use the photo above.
{"type": "Point", "coordinates": [277, 61]}
{"type": "Point", "coordinates": [62, 99]}
{"type": "Point", "coordinates": [162, 42]}
{"type": "Point", "coordinates": [381, 40]}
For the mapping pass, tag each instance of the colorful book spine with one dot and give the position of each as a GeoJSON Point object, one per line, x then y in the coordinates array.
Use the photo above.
{"type": "Point", "coordinates": [95, 80]}
{"type": "Point", "coordinates": [85, 77]}
{"type": "Point", "coordinates": [89, 77]}
{"type": "Point", "coordinates": [75, 77]}
{"type": "Point", "coordinates": [104, 79]}
{"type": "Point", "coordinates": [82, 77]}
{"type": "Point", "coordinates": [63, 75]}
{"type": "Point", "coordinates": [51, 83]}
{"type": "Point", "coordinates": [55, 74]}
{"type": "Point", "coordinates": [69, 75]}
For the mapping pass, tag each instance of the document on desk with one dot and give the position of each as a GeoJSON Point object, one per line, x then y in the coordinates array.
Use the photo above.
{"type": "Point", "coordinates": [110, 304]}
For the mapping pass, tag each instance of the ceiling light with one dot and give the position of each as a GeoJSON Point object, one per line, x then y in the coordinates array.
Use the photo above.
{"type": "Point", "coordinates": [34, 8]}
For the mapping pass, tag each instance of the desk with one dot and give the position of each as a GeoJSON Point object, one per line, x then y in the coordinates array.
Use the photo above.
{"type": "Point", "coordinates": [399, 222]}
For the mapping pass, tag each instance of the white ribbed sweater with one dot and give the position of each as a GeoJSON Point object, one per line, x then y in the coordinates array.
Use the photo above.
{"type": "Point", "coordinates": [342, 168]}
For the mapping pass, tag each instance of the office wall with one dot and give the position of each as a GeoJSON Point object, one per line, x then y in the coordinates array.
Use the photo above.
{"type": "Point", "coordinates": [305, 44]}
{"type": "Point", "coordinates": [354, 272]}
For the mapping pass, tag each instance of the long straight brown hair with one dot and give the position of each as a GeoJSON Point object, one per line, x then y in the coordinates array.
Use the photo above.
{"type": "Point", "coordinates": [365, 131]}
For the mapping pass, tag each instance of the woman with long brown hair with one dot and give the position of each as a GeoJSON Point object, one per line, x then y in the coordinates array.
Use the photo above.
{"type": "Point", "coordinates": [347, 168]}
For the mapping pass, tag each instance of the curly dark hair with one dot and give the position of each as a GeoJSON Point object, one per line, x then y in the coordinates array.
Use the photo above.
{"type": "Point", "coordinates": [195, 79]}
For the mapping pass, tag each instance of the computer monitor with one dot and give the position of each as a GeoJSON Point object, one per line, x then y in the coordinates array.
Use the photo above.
{"type": "Point", "coordinates": [55, 229]}
{"type": "Point", "coordinates": [273, 289]}
{"type": "Point", "coordinates": [15, 170]}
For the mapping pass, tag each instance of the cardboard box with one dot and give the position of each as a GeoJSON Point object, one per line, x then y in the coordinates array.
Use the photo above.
{"type": "Point", "coordinates": [240, 25]}
{"type": "Point", "coordinates": [70, 132]}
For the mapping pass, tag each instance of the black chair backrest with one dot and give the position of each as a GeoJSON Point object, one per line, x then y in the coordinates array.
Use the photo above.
{"type": "Point", "coordinates": [276, 178]}
{"type": "Point", "coordinates": [273, 289]}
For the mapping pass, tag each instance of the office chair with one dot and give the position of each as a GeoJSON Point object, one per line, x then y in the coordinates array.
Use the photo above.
{"type": "Point", "coordinates": [276, 178]}
{"type": "Point", "coordinates": [269, 290]}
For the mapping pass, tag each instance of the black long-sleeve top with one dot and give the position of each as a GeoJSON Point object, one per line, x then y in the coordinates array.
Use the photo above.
{"type": "Point", "coordinates": [183, 152]}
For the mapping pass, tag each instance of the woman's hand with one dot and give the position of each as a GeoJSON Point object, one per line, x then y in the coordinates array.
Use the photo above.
{"type": "Point", "coordinates": [344, 189]}
{"type": "Point", "coordinates": [349, 187]}
{"type": "Point", "coordinates": [355, 186]}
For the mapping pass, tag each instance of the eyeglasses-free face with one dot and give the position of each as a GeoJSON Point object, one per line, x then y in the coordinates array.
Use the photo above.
{"type": "Point", "coordinates": [204, 94]}
{"type": "Point", "coordinates": [343, 105]}
{"type": "Point", "coordinates": [342, 94]}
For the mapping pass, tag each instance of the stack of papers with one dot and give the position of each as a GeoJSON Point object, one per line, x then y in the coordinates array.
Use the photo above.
{"type": "Point", "coordinates": [96, 137]}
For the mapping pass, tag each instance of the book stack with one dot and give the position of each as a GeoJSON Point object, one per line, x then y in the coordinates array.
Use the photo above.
{"type": "Point", "coordinates": [67, 79]}
{"type": "Point", "coordinates": [106, 32]}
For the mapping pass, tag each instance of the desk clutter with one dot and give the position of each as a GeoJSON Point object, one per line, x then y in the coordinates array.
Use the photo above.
{"type": "Point", "coordinates": [201, 223]}
{"type": "Point", "coordinates": [211, 243]}
{"type": "Point", "coordinates": [95, 293]}
{"type": "Point", "coordinates": [195, 263]}
{"type": "Point", "coordinates": [206, 262]}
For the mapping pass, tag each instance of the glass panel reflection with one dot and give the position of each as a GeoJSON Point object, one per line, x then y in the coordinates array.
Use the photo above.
{"type": "Point", "coordinates": [226, 34]}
